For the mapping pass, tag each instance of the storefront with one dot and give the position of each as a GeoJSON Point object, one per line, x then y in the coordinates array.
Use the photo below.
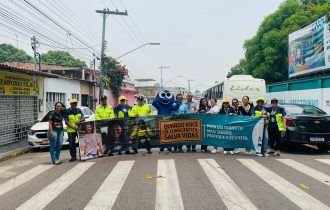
{"type": "Point", "coordinates": [19, 95]}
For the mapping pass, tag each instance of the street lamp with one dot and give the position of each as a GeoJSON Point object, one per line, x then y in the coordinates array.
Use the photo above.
{"type": "Point", "coordinates": [151, 43]}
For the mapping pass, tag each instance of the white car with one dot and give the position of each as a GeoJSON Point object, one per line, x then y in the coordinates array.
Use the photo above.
{"type": "Point", "coordinates": [37, 135]}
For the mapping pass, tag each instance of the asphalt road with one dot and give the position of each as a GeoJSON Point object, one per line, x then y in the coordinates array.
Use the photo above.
{"type": "Point", "coordinates": [299, 179]}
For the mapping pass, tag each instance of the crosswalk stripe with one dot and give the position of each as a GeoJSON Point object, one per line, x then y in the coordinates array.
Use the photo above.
{"type": "Point", "coordinates": [108, 192]}
{"type": "Point", "coordinates": [326, 161]}
{"type": "Point", "coordinates": [293, 193]}
{"type": "Point", "coordinates": [23, 178]}
{"type": "Point", "coordinates": [49, 193]}
{"type": "Point", "coordinates": [227, 189]}
{"type": "Point", "coordinates": [168, 193]}
{"type": "Point", "coordinates": [315, 174]}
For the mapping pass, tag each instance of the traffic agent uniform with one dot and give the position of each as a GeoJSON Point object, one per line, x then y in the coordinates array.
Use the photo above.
{"type": "Point", "coordinates": [104, 112]}
{"type": "Point", "coordinates": [276, 127]}
{"type": "Point", "coordinates": [74, 116]}
{"type": "Point", "coordinates": [138, 110]}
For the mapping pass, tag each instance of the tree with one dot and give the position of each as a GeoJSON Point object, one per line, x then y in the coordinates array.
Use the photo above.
{"type": "Point", "coordinates": [61, 58]}
{"type": "Point", "coordinates": [114, 75]}
{"type": "Point", "coordinates": [266, 53]}
{"type": "Point", "coordinates": [239, 69]}
{"type": "Point", "coordinates": [9, 53]}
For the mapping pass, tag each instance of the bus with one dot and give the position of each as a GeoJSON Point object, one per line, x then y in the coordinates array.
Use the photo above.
{"type": "Point", "coordinates": [238, 86]}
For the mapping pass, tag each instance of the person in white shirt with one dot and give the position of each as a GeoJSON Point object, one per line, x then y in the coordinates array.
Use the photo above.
{"type": "Point", "coordinates": [214, 110]}
{"type": "Point", "coordinates": [192, 106]}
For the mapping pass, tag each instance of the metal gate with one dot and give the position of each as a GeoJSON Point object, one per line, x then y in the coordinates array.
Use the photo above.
{"type": "Point", "coordinates": [17, 115]}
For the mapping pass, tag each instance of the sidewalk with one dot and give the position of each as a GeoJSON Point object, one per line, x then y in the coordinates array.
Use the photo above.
{"type": "Point", "coordinates": [13, 150]}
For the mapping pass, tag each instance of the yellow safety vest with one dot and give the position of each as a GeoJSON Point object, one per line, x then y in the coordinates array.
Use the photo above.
{"type": "Point", "coordinates": [279, 121]}
{"type": "Point", "coordinates": [137, 132]}
{"type": "Point", "coordinates": [73, 119]}
{"type": "Point", "coordinates": [143, 110]}
{"type": "Point", "coordinates": [102, 112]}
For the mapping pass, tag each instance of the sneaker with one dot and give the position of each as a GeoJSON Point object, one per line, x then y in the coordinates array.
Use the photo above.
{"type": "Point", "coordinates": [259, 155]}
{"type": "Point", "coordinates": [231, 152]}
{"type": "Point", "coordinates": [193, 150]}
{"type": "Point", "coordinates": [266, 155]}
{"type": "Point", "coordinates": [58, 162]}
{"type": "Point", "coordinates": [120, 153]}
{"type": "Point", "coordinates": [188, 150]}
{"type": "Point", "coordinates": [278, 154]}
{"type": "Point", "coordinates": [236, 151]}
{"type": "Point", "coordinates": [71, 160]}
{"type": "Point", "coordinates": [110, 154]}
{"type": "Point", "coordinates": [203, 150]}
{"type": "Point", "coordinates": [225, 152]}
{"type": "Point", "coordinates": [214, 151]}
{"type": "Point", "coordinates": [149, 152]}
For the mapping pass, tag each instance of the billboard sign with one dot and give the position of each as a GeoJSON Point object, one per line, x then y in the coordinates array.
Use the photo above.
{"type": "Point", "coordinates": [309, 48]}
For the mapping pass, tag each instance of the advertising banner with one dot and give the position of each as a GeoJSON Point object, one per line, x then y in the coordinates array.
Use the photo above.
{"type": "Point", "coordinates": [16, 84]}
{"type": "Point", "coordinates": [309, 48]}
{"type": "Point", "coordinates": [120, 136]}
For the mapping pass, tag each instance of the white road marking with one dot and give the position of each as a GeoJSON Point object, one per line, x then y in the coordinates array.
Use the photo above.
{"type": "Point", "coordinates": [168, 193]}
{"type": "Point", "coordinates": [326, 161]}
{"type": "Point", "coordinates": [23, 178]}
{"type": "Point", "coordinates": [290, 191]}
{"type": "Point", "coordinates": [228, 191]}
{"type": "Point", "coordinates": [315, 174]}
{"type": "Point", "coordinates": [108, 192]}
{"type": "Point", "coordinates": [49, 193]}
{"type": "Point", "coordinates": [5, 173]}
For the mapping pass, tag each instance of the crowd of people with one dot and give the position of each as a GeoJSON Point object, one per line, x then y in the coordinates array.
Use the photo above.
{"type": "Point", "coordinates": [273, 116]}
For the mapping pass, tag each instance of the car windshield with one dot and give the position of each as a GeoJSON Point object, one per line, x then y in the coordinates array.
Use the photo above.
{"type": "Point", "coordinates": [45, 118]}
{"type": "Point", "coordinates": [303, 109]}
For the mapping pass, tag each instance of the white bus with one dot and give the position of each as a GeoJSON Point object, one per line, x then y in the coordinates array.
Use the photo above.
{"type": "Point", "coordinates": [238, 86]}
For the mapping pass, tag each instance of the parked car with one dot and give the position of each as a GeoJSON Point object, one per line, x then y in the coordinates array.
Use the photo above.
{"type": "Point", "coordinates": [37, 135]}
{"type": "Point", "coordinates": [307, 124]}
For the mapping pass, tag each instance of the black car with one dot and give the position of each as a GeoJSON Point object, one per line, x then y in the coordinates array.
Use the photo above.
{"type": "Point", "coordinates": [307, 124]}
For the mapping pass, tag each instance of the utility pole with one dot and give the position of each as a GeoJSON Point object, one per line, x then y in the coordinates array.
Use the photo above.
{"type": "Point", "coordinates": [189, 80]}
{"type": "Point", "coordinates": [34, 43]}
{"type": "Point", "coordinates": [105, 13]}
{"type": "Point", "coordinates": [161, 75]}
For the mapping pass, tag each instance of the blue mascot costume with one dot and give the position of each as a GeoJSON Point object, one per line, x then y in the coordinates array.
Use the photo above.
{"type": "Point", "coordinates": [163, 102]}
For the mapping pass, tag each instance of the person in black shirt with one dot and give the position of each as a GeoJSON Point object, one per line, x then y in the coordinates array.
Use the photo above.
{"type": "Point", "coordinates": [226, 110]}
{"type": "Point", "coordinates": [246, 108]}
{"type": "Point", "coordinates": [55, 133]}
{"type": "Point", "coordinates": [204, 107]}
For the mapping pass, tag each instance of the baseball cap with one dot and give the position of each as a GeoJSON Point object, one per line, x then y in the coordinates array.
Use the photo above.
{"type": "Point", "coordinates": [140, 98]}
{"type": "Point", "coordinates": [260, 99]}
{"type": "Point", "coordinates": [122, 98]}
{"type": "Point", "coordinates": [73, 101]}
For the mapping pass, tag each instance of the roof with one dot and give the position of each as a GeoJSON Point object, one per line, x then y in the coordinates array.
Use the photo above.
{"type": "Point", "coordinates": [26, 71]}
{"type": "Point", "coordinates": [145, 80]}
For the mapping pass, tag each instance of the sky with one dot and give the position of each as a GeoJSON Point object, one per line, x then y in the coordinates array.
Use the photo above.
{"type": "Point", "coordinates": [199, 40]}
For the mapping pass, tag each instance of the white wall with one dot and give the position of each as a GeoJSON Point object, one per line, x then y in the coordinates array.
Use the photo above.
{"type": "Point", "coordinates": [60, 85]}
{"type": "Point", "coordinates": [317, 97]}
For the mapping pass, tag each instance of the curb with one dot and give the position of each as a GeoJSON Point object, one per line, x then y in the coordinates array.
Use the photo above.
{"type": "Point", "coordinates": [15, 153]}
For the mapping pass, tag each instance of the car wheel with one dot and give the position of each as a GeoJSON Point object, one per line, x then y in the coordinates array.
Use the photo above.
{"type": "Point", "coordinates": [323, 148]}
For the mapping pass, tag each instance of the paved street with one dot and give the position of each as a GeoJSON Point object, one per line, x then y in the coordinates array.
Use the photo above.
{"type": "Point", "coordinates": [185, 181]}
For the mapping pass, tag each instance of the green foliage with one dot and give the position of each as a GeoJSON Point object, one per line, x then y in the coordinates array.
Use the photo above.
{"type": "Point", "coordinates": [61, 58]}
{"type": "Point", "coordinates": [239, 69]}
{"type": "Point", "coordinates": [9, 53]}
{"type": "Point", "coordinates": [114, 75]}
{"type": "Point", "coordinates": [266, 53]}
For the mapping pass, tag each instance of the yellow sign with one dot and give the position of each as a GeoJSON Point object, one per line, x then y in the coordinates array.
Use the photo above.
{"type": "Point", "coordinates": [180, 131]}
{"type": "Point", "coordinates": [16, 84]}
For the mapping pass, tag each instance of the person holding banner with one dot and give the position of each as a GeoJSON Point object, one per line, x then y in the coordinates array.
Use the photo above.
{"type": "Point", "coordinates": [192, 107]}
{"type": "Point", "coordinates": [204, 107]}
{"type": "Point", "coordinates": [123, 109]}
{"type": "Point", "coordinates": [140, 109]}
{"type": "Point", "coordinates": [247, 109]}
{"type": "Point", "coordinates": [236, 111]}
{"type": "Point", "coordinates": [176, 110]}
{"type": "Point", "coordinates": [226, 110]}
{"type": "Point", "coordinates": [261, 111]}
{"type": "Point", "coordinates": [214, 110]}
{"type": "Point", "coordinates": [277, 126]}
{"type": "Point", "coordinates": [141, 136]}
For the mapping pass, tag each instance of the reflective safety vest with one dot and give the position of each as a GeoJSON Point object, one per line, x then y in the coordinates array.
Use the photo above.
{"type": "Point", "coordinates": [141, 133]}
{"type": "Point", "coordinates": [74, 116]}
{"type": "Point", "coordinates": [143, 110]}
{"type": "Point", "coordinates": [258, 112]}
{"type": "Point", "coordinates": [102, 112]}
{"type": "Point", "coordinates": [279, 118]}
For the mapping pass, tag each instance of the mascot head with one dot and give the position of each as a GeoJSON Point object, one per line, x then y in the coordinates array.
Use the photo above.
{"type": "Point", "coordinates": [165, 98]}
